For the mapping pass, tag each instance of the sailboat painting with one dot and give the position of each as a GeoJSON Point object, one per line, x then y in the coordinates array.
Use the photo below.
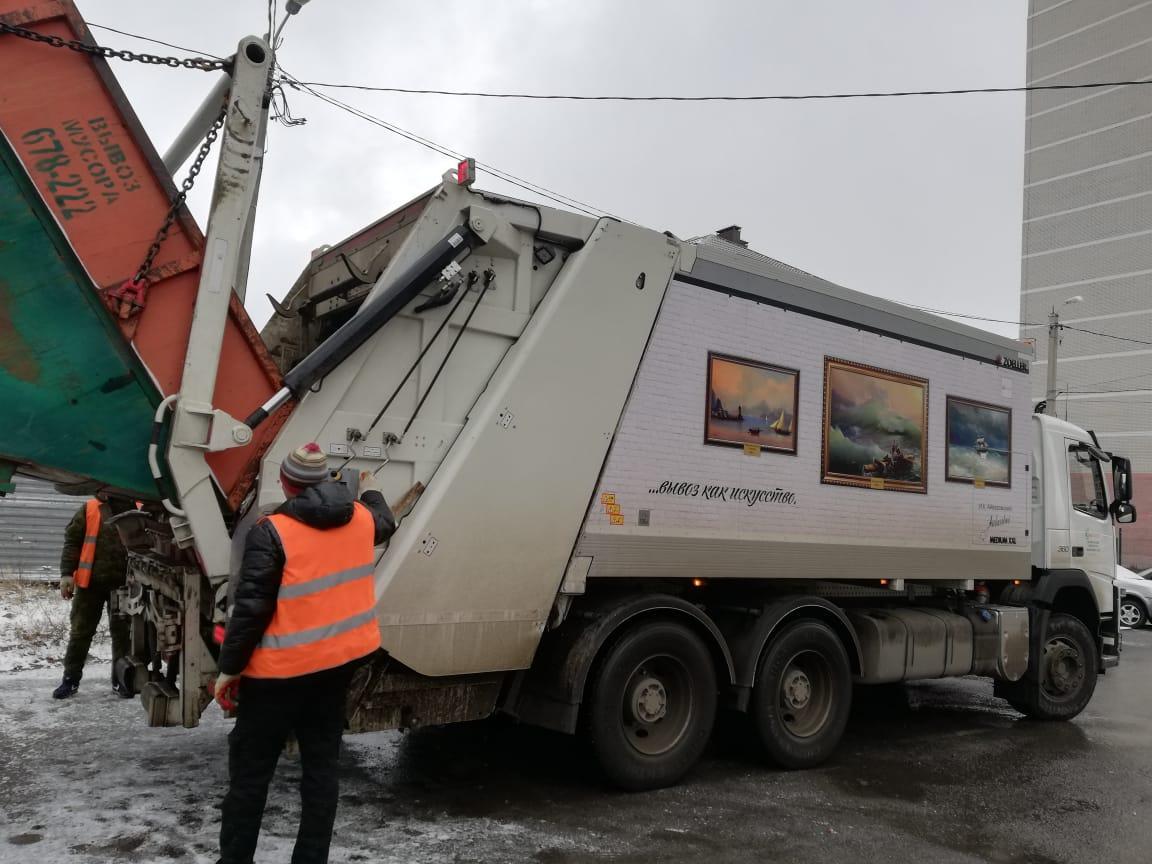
{"type": "Point", "coordinates": [979, 443]}
{"type": "Point", "coordinates": [751, 403]}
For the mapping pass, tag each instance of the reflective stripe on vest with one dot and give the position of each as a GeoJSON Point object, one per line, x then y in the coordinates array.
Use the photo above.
{"type": "Point", "coordinates": [326, 608]}
{"type": "Point", "coordinates": [83, 573]}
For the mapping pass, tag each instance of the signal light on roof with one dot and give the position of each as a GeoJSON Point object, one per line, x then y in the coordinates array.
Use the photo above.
{"type": "Point", "coordinates": [466, 172]}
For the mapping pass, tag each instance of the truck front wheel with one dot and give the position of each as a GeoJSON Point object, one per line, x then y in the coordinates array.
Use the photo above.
{"type": "Point", "coordinates": [651, 705]}
{"type": "Point", "coordinates": [1067, 673]}
{"type": "Point", "coordinates": [803, 695]}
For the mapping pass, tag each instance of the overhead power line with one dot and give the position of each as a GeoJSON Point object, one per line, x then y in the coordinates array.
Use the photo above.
{"type": "Point", "coordinates": [591, 210]}
{"type": "Point", "coordinates": [153, 41]}
{"type": "Point", "coordinates": [1106, 335]}
{"type": "Point", "coordinates": [614, 97]}
{"type": "Point", "coordinates": [1025, 323]}
{"type": "Point", "coordinates": [771, 97]}
{"type": "Point", "coordinates": [520, 182]}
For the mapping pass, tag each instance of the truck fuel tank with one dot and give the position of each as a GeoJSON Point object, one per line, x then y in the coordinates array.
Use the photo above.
{"type": "Point", "coordinates": [910, 644]}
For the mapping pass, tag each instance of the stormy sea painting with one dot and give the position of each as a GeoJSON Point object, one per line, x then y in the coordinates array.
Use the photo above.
{"type": "Point", "coordinates": [750, 403]}
{"type": "Point", "coordinates": [979, 443]}
{"type": "Point", "coordinates": [875, 426]}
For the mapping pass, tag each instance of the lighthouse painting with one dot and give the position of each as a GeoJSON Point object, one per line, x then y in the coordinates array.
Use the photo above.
{"type": "Point", "coordinates": [751, 403]}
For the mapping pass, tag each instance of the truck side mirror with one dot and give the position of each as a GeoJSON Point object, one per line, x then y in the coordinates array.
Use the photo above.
{"type": "Point", "coordinates": [1121, 478]}
{"type": "Point", "coordinates": [1123, 512]}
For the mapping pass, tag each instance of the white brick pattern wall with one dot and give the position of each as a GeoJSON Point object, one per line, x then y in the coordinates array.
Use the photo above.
{"type": "Point", "coordinates": [661, 435]}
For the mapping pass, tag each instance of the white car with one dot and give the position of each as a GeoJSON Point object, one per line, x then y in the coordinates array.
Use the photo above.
{"type": "Point", "coordinates": [1136, 599]}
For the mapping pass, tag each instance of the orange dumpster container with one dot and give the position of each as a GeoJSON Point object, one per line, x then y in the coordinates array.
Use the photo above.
{"type": "Point", "coordinates": [85, 152]}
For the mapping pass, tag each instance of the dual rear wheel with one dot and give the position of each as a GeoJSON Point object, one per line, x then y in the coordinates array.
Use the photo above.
{"type": "Point", "coordinates": [650, 703]}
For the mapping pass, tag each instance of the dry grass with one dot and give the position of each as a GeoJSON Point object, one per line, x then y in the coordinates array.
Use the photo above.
{"type": "Point", "coordinates": [37, 613]}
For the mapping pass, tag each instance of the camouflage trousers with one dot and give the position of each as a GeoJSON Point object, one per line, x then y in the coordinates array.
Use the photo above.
{"type": "Point", "coordinates": [88, 604]}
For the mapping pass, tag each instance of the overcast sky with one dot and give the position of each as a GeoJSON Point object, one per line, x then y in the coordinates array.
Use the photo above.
{"type": "Point", "coordinates": [916, 199]}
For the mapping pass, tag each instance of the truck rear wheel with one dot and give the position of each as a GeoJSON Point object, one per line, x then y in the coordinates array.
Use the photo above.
{"type": "Point", "coordinates": [803, 695]}
{"type": "Point", "coordinates": [1067, 673]}
{"type": "Point", "coordinates": [651, 705]}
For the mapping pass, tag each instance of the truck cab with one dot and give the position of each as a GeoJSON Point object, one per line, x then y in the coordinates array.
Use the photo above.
{"type": "Point", "coordinates": [1074, 513]}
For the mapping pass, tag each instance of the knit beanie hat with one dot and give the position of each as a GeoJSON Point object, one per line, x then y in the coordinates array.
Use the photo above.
{"type": "Point", "coordinates": [305, 466]}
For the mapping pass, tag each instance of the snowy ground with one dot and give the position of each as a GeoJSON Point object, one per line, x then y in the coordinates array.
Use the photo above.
{"type": "Point", "coordinates": [107, 788]}
{"type": "Point", "coordinates": [943, 772]}
{"type": "Point", "coordinates": [34, 628]}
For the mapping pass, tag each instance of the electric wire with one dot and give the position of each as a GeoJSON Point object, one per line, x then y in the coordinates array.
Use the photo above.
{"type": "Point", "coordinates": [154, 41]}
{"type": "Point", "coordinates": [773, 97]}
{"type": "Point", "coordinates": [616, 97]}
{"type": "Point", "coordinates": [520, 182]}
{"type": "Point", "coordinates": [591, 210]}
{"type": "Point", "coordinates": [1025, 323]}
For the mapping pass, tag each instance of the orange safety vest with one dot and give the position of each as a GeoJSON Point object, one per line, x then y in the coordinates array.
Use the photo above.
{"type": "Point", "coordinates": [326, 609]}
{"type": "Point", "coordinates": [83, 573]}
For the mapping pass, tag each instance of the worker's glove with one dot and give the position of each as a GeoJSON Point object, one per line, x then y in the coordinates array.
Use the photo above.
{"type": "Point", "coordinates": [228, 691]}
{"type": "Point", "coordinates": [368, 482]}
{"type": "Point", "coordinates": [67, 587]}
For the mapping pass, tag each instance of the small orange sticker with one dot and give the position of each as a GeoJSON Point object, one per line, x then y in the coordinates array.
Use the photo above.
{"type": "Point", "coordinates": [608, 498]}
{"type": "Point", "coordinates": [751, 449]}
{"type": "Point", "coordinates": [617, 519]}
{"type": "Point", "coordinates": [612, 509]}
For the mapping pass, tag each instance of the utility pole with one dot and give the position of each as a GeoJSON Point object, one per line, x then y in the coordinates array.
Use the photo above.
{"type": "Point", "coordinates": [1053, 347]}
{"type": "Point", "coordinates": [1053, 350]}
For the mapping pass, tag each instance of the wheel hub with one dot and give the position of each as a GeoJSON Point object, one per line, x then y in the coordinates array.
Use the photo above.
{"type": "Point", "coordinates": [1065, 667]}
{"type": "Point", "coordinates": [1129, 615]}
{"type": "Point", "coordinates": [649, 700]}
{"type": "Point", "coordinates": [797, 689]}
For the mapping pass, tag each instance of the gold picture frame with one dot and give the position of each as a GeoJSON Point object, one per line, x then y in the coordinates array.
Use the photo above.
{"type": "Point", "coordinates": [875, 428]}
{"type": "Point", "coordinates": [749, 403]}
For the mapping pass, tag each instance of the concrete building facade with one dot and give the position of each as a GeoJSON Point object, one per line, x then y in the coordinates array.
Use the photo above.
{"type": "Point", "coordinates": [1088, 226]}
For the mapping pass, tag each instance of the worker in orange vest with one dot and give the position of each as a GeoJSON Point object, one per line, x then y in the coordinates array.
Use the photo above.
{"type": "Point", "coordinates": [304, 616]}
{"type": "Point", "coordinates": [93, 564]}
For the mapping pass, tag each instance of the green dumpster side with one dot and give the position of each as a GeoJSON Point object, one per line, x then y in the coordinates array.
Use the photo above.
{"type": "Point", "coordinates": [75, 401]}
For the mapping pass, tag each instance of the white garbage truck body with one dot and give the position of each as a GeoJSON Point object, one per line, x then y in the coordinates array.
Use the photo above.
{"type": "Point", "coordinates": [613, 432]}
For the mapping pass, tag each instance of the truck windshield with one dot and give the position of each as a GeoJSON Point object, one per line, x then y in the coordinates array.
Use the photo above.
{"type": "Point", "coordinates": [1087, 483]}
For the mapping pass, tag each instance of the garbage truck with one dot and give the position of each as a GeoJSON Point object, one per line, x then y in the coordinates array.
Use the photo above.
{"type": "Point", "coordinates": [639, 479]}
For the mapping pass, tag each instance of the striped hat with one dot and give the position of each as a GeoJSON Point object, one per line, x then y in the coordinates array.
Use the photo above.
{"type": "Point", "coordinates": [305, 466]}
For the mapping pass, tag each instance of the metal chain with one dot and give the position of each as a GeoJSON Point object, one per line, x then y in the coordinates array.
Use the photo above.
{"type": "Point", "coordinates": [206, 64]}
{"type": "Point", "coordinates": [181, 196]}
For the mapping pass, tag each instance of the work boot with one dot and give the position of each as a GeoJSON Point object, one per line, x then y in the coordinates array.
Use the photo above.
{"type": "Point", "coordinates": [68, 687]}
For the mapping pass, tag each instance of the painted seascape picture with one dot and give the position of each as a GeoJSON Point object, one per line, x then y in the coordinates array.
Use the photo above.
{"type": "Point", "coordinates": [875, 427]}
{"type": "Point", "coordinates": [979, 443]}
{"type": "Point", "coordinates": [751, 403]}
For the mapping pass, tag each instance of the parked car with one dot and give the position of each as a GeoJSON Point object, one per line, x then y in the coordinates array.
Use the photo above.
{"type": "Point", "coordinates": [1136, 601]}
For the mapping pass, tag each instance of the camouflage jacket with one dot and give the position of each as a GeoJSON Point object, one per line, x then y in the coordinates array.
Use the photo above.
{"type": "Point", "coordinates": [111, 558]}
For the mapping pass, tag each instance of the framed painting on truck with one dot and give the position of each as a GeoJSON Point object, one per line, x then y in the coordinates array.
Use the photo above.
{"type": "Point", "coordinates": [751, 403]}
{"type": "Point", "coordinates": [875, 428]}
{"type": "Point", "coordinates": [979, 443]}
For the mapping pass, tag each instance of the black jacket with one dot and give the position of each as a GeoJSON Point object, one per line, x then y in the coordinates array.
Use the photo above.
{"type": "Point", "coordinates": [329, 505]}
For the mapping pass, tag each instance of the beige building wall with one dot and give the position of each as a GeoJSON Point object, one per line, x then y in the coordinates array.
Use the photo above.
{"type": "Point", "coordinates": [1088, 225]}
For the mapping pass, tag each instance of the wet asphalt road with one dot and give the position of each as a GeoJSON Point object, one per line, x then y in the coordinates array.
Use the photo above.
{"type": "Point", "coordinates": [934, 772]}
{"type": "Point", "coordinates": [939, 772]}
